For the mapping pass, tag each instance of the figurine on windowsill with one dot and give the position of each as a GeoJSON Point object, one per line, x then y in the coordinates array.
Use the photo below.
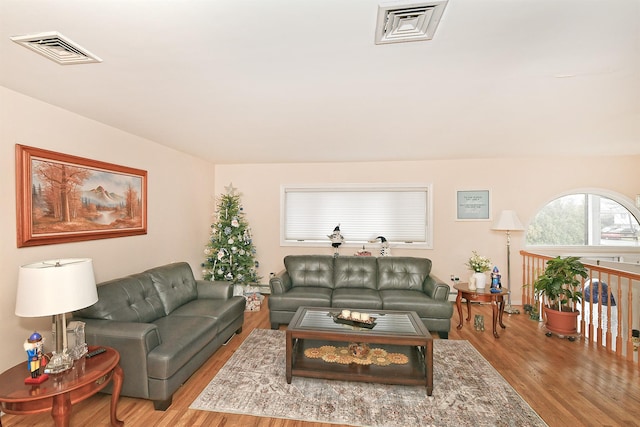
{"type": "Point", "coordinates": [35, 359]}
{"type": "Point", "coordinates": [363, 252]}
{"type": "Point", "coordinates": [384, 249]}
{"type": "Point", "coordinates": [336, 240]}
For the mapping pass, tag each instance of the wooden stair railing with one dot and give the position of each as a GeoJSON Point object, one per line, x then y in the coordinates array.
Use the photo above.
{"type": "Point", "coordinates": [611, 323]}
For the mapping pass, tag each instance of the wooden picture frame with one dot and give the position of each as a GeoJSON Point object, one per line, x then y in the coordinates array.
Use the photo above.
{"type": "Point", "coordinates": [62, 198]}
{"type": "Point", "coordinates": [473, 205]}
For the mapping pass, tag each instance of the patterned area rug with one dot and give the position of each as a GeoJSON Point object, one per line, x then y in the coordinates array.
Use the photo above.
{"type": "Point", "coordinates": [467, 390]}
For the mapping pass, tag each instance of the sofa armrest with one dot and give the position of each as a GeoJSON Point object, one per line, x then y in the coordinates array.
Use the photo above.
{"type": "Point", "coordinates": [214, 289]}
{"type": "Point", "coordinates": [436, 288]}
{"type": "Point", "coordinates": [280, 283]}
{"type": "Point", "coordinates": [139, 338]}
{"type": "Point", "coordinates": [133, 341]}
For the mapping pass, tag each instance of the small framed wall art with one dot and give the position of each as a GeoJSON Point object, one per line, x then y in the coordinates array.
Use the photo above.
{"type": "Point", "coordinates": [62, 198]}
{"type": "Point", "coordinates": [473, 205]}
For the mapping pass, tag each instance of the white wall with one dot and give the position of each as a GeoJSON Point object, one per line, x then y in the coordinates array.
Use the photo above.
{"type": "Point", "coordinates": [180, 202]}
{"type": "Point", "coordinates": [524, 185]}
{"type": "Point", "coordinates": [182, 189]}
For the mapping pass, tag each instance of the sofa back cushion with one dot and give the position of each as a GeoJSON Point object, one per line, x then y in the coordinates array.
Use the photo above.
{"type": "Point", "coordinates": [310, 270]}
{"type": "Point", "coordinates": [355, 272]}
{"type": "Point", "coordinates": [402, 272]}
{"type": "Point", "coordinates": [175, 284]}
{"type": "Point", "coordinates": [128, 299]}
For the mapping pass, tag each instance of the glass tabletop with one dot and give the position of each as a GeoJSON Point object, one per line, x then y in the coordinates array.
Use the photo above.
{"type": "Point", "coordinates": [386, 322]}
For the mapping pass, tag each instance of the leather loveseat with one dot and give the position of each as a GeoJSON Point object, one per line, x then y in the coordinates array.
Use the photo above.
{"type": "Point", "coordinates": [165, 325]}
{"type": "Point", "coordinates": [360, 282]}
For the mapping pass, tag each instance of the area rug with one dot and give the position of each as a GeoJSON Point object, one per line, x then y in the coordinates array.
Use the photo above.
{"type": "Point", "coordinates": [467, 391]}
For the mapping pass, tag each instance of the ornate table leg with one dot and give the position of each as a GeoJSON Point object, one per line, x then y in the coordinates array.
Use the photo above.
{"type": "Point", "coordinates": [61, 410]}
{"type": "Point", "coordinates": [118, 377]}
{"type": "Point", "coordinates": [501, 312]}
{"type": "Point", "coordinates": [459, 305]}
{"type": "Point", "coordinates": [494, 307]}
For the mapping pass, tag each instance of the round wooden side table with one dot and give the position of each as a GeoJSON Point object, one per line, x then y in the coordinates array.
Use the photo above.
{"type": "Point", "coordinates": [60, 391]}
{"type": "Point", "coordinates": [481, 295]}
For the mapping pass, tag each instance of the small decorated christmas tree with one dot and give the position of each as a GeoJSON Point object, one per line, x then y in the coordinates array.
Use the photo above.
{"type": "Point", "coordinates": [230, 254]}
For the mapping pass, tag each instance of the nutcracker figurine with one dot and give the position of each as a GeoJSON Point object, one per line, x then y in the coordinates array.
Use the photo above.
{"type": "Point", "coordinates": [496, 282]}
{"type": "Point", "coordinates": [35, 360]}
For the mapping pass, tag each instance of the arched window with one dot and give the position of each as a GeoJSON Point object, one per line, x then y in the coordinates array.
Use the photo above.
{"type": "Point", "coordinates": [585, 219]}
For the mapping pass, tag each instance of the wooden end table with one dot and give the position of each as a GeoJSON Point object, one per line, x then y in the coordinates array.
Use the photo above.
{"type": "Point", "coordinates": [60, 391]}
{"type": "Point", "coordinates": [481, 295]}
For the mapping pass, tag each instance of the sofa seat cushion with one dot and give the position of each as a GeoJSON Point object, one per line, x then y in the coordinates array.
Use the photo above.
{"type": "Point", "coordinates": [408, 300]}
{"type": "Point", "coordinates": [182, 338]}
{"type": "Point", "coordinates": [356, 298]}
{"type": "Point", "coordinates": [300, 296]}
{"type": "Point", "coordinates": [226, 311]}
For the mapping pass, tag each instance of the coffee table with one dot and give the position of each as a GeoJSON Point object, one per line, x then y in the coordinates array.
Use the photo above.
{"type": "Point", "coordinates": [60, 391]}
{"type": "Point", "coordinates": [397, 331]}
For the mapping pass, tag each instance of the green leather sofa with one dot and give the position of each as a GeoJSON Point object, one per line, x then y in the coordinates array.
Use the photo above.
{"type": "Point", "coordinates": [360, 282]}
{"type": "Point", "coordinates": [165, 325]}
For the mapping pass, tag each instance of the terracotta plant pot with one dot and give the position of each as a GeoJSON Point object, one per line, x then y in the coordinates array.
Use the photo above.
{"type": "Point", "coordinates": [561, 322]}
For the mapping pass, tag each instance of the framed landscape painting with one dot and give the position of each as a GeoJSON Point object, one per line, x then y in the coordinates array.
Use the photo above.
{"type": "Point", "coordinates": [62, 198]}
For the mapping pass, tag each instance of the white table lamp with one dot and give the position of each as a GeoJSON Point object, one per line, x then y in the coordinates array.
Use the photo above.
{"type": "Point", "coordinates": [508, 221]}
{"type": "Point", "coordinates": [53, 288]}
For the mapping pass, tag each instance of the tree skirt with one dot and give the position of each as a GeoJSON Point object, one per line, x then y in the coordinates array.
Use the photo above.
{"type": "Point", "coordinates": [467, 390]}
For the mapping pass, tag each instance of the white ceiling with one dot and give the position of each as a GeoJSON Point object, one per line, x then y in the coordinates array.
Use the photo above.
{"type": "Point", "coordinates": [242, 81]}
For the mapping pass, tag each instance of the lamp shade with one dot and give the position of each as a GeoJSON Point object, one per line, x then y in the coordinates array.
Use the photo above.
{"type": "Point", "coordinates": [54, 287]}
{"type": "Point", "coordinates": [508, 221]}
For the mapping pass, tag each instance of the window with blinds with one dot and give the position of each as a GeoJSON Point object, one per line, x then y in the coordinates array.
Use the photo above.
{"type": "Point", "coordinates": [399, 213]}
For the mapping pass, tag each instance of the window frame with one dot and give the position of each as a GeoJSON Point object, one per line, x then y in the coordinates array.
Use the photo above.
{"type": "Point", "coordinates": [587, 250]}
{"type": "Point", "coordinates": [342, 187]}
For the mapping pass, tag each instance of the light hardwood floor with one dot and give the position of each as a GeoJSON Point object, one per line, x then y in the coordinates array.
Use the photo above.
{"type": "Point", "coordinates": [567, 383]}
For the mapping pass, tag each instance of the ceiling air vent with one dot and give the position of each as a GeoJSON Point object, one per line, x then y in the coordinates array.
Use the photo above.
{"type": "Point", "coordinates": [406, 20]}
{"type": "Point", "coordinates": [57, 48]}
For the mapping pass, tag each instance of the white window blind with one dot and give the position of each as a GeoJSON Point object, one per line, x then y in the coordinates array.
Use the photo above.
{"type": "Point", "coordinates": [399, 213]}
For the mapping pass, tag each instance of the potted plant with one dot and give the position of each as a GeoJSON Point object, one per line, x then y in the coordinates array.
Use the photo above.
{"type": "Point", "coordinates": [559, 289]}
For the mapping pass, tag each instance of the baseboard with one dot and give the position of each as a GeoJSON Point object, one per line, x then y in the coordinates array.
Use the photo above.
{"type": "Point", "coordinates": [265, 289]}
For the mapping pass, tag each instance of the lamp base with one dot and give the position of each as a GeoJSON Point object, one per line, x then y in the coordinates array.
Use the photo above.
{"type": "Point", "coordinates": [59, 362]}
{"type": "Point", "coordinates": [511, 310]}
